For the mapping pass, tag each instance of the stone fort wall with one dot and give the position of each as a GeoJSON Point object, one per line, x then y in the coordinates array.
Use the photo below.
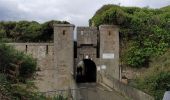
{"type": "Point", "coordinates": [56, 60]}
{"type": "Point", "coordinates": [43, 52]}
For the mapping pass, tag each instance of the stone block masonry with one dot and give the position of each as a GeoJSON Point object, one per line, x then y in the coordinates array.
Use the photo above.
{"type": "Point", "coordinates": [56, 60]}
{"type": "Point", "coordinates": [99, 49]}
{"type": "Point", "coordinates": [44, 54]}
{"type": "Point", "coordinates": [132, 93]}
{"type": "Point", "coordinates": [109, 50]}
{"type": "Point", "coordinates": [63, 55]}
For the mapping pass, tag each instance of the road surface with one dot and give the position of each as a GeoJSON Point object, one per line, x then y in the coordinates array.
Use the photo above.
{"type": "Point", "coordinates": [93, 91]}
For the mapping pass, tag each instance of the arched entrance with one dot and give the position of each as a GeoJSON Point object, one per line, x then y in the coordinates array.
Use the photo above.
{"type": "Point", "coordinates": [86, 71]}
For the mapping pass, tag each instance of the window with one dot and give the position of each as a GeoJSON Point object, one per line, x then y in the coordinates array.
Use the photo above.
{"type": "Point", "coordinates": [109, 33]}
{"type": "Point", "coordinates": [64, 32]}
{"type": "Point", "coordinates": [46, 49]}
{"type": "Point", "coordinates": [26, 48]}
{"type": "Point", "coordinates": [82, 32]}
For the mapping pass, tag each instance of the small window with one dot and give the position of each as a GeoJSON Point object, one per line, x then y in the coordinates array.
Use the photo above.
{"type": "Point", "coordinates": [26, 48]}
{"type": "Point", "coordinates": [109, 33]}
{"type": "Point", "coordinates": [46, 49]}
{"type": "Point", "coordinates": [64, 32]}
{"type": "Point", "coordinates": [82, 32]}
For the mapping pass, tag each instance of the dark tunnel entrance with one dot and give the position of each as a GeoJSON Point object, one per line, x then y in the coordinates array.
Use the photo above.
{"type": "Point", "coordinates": [86, 72]}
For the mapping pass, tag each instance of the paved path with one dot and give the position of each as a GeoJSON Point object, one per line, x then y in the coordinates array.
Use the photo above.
{"type": "Point", "coordinates": [93, 91]}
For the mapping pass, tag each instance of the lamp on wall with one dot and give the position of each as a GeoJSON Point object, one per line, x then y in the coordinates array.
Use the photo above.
{"type": "Point", "coordinates": [86, 57]}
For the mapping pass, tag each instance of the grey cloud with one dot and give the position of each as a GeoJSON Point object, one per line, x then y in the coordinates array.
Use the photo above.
{"type": "Point", "coordinates": [144, 3]}
{"type": "Point", "coordinates": [74, 11]}
{"type": "Point", "coordinates": [10, 11]}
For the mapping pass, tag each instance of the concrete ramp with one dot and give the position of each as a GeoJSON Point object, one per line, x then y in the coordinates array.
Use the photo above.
{"type": "Point", "coordinates": [94, 91]}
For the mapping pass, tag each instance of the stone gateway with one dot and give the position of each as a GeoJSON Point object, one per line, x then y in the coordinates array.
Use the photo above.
{"type": "Point", "coordinates": [93, 57]}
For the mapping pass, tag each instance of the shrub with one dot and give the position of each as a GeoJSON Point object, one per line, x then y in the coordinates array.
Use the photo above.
{"type": "Point", "coordinates": [147, 29]}
{"type": "Point", "coordinates": [155, 84]}
{"type": "Point", "coordinates": [28, 66]}
{"type": "Point", "coordinates": [10, 56]}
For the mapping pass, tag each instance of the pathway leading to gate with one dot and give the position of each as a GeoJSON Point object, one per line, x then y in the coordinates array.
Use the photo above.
{"type": "Point", "coordinates": [94, 91]}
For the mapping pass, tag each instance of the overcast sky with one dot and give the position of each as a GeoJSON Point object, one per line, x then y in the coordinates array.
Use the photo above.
{"type": "Point", "coordinates": [77, 12]}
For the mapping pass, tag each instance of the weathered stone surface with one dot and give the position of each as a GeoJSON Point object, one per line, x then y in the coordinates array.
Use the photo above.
{"type": "Point", "coordinates": [63, 54]}
{"type": "Point", "coordinates": [109, 50]}
{"type": "Point", "coordinates": [87, 35]}
{"type": "Point", "coordinates": [57, 63]}
{"type": "Point", "coordinates": [44, 53]}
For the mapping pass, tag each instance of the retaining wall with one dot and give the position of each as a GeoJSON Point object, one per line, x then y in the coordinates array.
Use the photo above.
{"type": "Point", "coordinates": [126, 90]}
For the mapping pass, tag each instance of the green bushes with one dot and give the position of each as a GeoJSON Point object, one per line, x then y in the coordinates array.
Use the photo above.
{"type": "Point", "coordinates": [137, 57]}
{"type": "Point", "coordinates": [155, 84]}
{"type": "Point", "coordinates": [18, 87]}
{"type": "Point", "coordinates": [10, 56]}
{"type": "Point", "coordinates": [25, 31]}
{"type": "Point", "coordinates": [144, 35]}
{"type": "Point", "coordinates": [156, 79]}
{"type": "Point", "coordinates": [4, 88]}
{"type": "Point", "coordinates": [9, 91]}
{"type": "Point", "coordinates": [28, 67]}
{"type": "Point", "coordinates": [145, 32]}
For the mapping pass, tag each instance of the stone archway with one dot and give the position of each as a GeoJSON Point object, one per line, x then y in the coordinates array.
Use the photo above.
{"type": "Point", "coordinates": [86, 71]}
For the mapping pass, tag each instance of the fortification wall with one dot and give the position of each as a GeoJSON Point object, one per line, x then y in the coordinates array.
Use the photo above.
{"type": "Point", "coordinates": [126, 90]}
{"type": "Point", "coordinates": [43, 52]}
{"type": "Point", "coordinates": [109, 50]}
{"type": "Point", "coordinates": [63, 55]}
{"type": "Point", "coordinates": [87, 35]}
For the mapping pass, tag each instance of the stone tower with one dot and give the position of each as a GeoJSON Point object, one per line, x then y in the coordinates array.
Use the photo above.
{"type": "Point", "coordinates": [97, 54]}
{"type": "Point", "coordinates": [87, 43]}
{"type": "Point", "coordinates": [93, 58]}
{"type": "Point", "coordinates": [109, 50]}
{"type": "Point", "coordinates": [63, 54]}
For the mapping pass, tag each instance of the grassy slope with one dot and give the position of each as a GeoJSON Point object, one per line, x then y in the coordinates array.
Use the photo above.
{"type": "Point", "coordinates": [156, 80]}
